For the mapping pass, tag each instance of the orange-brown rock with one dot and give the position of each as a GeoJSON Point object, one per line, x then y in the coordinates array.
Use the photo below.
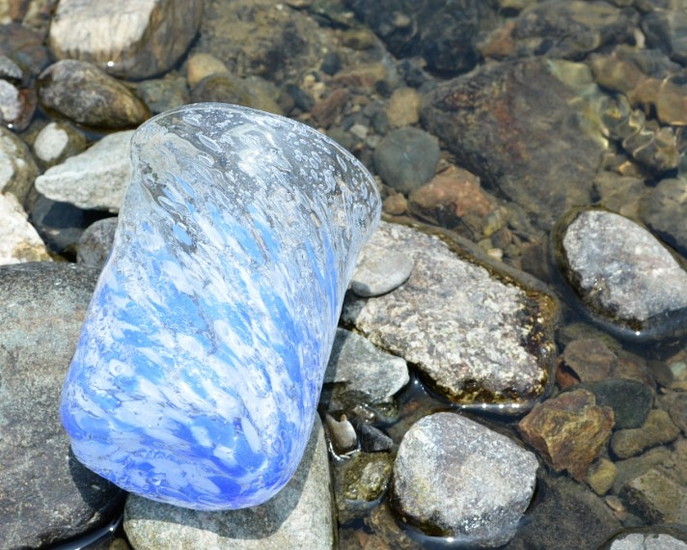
{"type": "Point", "coordinates": [568, 431]}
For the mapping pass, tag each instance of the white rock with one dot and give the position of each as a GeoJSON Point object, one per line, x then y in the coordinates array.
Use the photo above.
{"type": "Point", "coordinates": [19, 241]}
{"type": "Point", "coordinates": [131, 38]}
{"type": "Point", "coordinates": [95, 179]}
{"type": "Point", "coordinates": [50, 142]}
{"type": "Point", "coordinates": [17, 167]}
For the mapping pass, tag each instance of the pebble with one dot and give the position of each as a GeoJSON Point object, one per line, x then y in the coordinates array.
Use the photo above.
{"type": "Point", "coordinates": [18, 168]}
{"type": "Point", "coordinates": [46, 495]}
{"type": "Point", "coordinates": [658, 496]}
{"type": "Point", "coordinates": [360, 482]}
{"type": "Point", "coordinates": [658, 429]}
{"type": "Point", "coordinates": [362, 372]}
{"type": "Point", "coordinates": [457, 478]}
{"type": "Point", "coordinates": [406, 159]}
{"type": "Point", "coordinates": [202, 65]}
{"type": "Point", "coordinates": [85, 94]}
{"type": "Point", "coordinates": [630, 400]}
{"type": "Point", "coordinates": [403, 108]}
{"type": "Point", "coordinates": [56, 142]}
{"type": "Point", "coordinates": [663, 209]}
{"type": "Point", "coordinates": [19, 241]}
{"type": "Point", "coordinates": [133, 39]}
{"type": "Point", "coordinates": [568, 431]}
{"type": "Point", "coordinates": [666, 30]}
{"type": "Point", "coordinates": [341, 434]}
{"type": "Point", "coordinates": [475, 354]}
{"type": "Point", "coordinates": [589, 360]}
{"type": "Point", "coordinates": [17, 105]}
{"type": "Point", "coordinates": [646, 541]}
{"type": "Point", "coordinates": [95, 244]}
{"type": "Point", "coordinates": [300, 516]}
{"type": "Point", "coordinates": [601, 476]}
{"type": "Point", "coordinates": [95, 179]}
{"type": "Point", "coordinates": [624, 276]}
{"type": "Point", "coordinates": [163, 94]}
{"type": "Point", "coordinates": [379, 270]}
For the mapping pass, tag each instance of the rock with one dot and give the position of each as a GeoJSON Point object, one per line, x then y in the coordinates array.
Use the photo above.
{"type": "Point", "coordinates": [253, 92]}
{"type": "Point", "coordinates": [85, 94]}
{"type": "Point", "coordinates": [328, 109]}
{"type": "Point", "coordinates": [642, 541]}
{"type": "Point", "coordinates": [19, 241]}
{"type": "Point", "coordinates": [24, 46]}
{"type": "Point", "coordinates": [656, 430]}
{"type": "Point", "coordinates": [620, 194]}
{"type": "Point", "coordinates": [566, 30]}
{"type": "Point", "coordinates": [396, 205]}
{"type": "Point", "coordinates": [589, 360]}
{"type": "Point", "coordinates": [56, 142]}
{"type": "Point", "coordinates": [363, 373]}
{"type": "Point", "coordinates": [677, 409]}
{"type": "Point", "coordinates": [625, 278]}
{"type": "Point", "coordinates": [96, 179]}
{"type": "Point", "coordinates": [18, 169]}
{"type": "Point", "coordinates": [456, 478]}
{"type": "Point", "coordinates": [506, 121]}
{"type": "Point", "coordinates": [163, 94]}
{"type": "Point", "coordinates": [341, 434]}
{"type": "Point", "coordinates": [634, 467]}
{"type": "Point", "coordinates": [601, 475]}
{"type": "Point", "coordinates": [666, 30]}
{"type": "Point", "coordinates": [569, 431]}
{"type": "Point", "coordinates": [572, 505]}
{"type": "Point", "coordinates": [359, 483]}
{"type": "Point", "coordinates": [202, 65]}
{"type": "Point", "coordinates": [95, 244]}
{"type": "Point", "coordinates": [300, 516]}
{"type": "Point", "coordinates": [380, 270]}
{"type": "Point", "coordinates": [406, 159]}
{"type": "Point", "coordinates": [662, 210]}
{"type": "Point", "coordinates": [132, 39]}
{"type": "Point", "coordinates": [455, 347]}
{"type": "Point", "coordinates": [630, 400]}
{"type": "Point", "coordinates": [658, 496]}
{"type": "Point", "coordinates": [404, 107]}
{"type": "Point", "coordinates": [443, 32]}
{"type": "Point", "coordinates": [46, 496]}
{"type": "Point", "coordinates": [17, 105]}
{"type": "Point", "coordinates": [210, 329]}
{"type": "Point", "coordinates": [454, 199]}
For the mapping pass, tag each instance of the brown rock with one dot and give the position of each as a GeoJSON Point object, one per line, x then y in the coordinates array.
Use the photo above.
{"type": "Point", "coordinates": [589, 360]}
{"type": "Point", "coordinates": [404, 107]}
{"type": "Point", "coordinates": [395, 205]}
{"type": "Point", "coordinates": [85, 94]}
{"type": "Point", "coordinates": [601, 476]}
{"type": "Point", "coordinates": [326, 110]}
{"type": "Point", "coordinates": [451, 196]}
{"type": "Point", "coordinates": [656, 430]}
{"type": "Point", "coordinates": [658, 497]}
{"type": "Point", "coordinates": [568, 431]}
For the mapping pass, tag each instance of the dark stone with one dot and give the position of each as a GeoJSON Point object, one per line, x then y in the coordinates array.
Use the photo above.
{"type": "Point", "coordinates": [667, 31]}
{"type": "Point", "coordinates": [507, 122]}
{"type": "Point", "coordinates": [46, 495]}
{"type": "Point", "coordinates": [629, 399]}
{"type": "Point", "coordinates": [331, 63]}
{"type": "Point", "coordinates": [663, 210]}
{"type": "Point", "coordinates": [95, 244]}
{"type": "Point", "coordinates": [443, 32]}
{"type": "Point", "coordinates": [566, 516]}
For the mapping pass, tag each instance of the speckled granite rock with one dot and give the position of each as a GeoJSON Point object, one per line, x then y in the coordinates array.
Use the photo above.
{"type": "Point", "coordinates": [18, 168]}
{"type": "Point", "coordinates": [463, 328]}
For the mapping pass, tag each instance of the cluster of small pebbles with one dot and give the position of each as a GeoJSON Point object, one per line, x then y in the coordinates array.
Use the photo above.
{"type": "Point", "coordinates": [510, 369]}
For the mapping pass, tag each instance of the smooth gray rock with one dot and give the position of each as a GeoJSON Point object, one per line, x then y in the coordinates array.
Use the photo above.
{"type": "Point", "coordinates": [95, 244]}
{"type": "Point", "coordinates": [622, 274]}
{"type": "Point", "coordinates": [95, 179]}
{"type": "Point", "coordinates": [299, 517]}
{"type": "Point", "coordinates": [466, 481]}
{"type": "Point", "coordinates": [379, 270]}
{"type": "Point", "coordinates": [46, 495]}
{"type": "Point", "coordinates": [406, 158]}
{"type": "Point", "coordinates": [365, 371]}
{"type": "Point", "coordinates": [459, 324]}
{"type": "Point", "coordinates": [647, 541]}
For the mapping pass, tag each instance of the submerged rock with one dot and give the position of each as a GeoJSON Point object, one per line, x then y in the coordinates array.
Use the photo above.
{"type": "Point", "coordinates": [625, 278]}
{"type": "Point", "coordinates": [482, 339]}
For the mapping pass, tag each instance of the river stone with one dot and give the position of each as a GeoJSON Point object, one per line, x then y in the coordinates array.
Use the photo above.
{"type": "Point", "coordinates": [624, 277]}
{"type": "Point", "coordinates": [663, 210]}
{"type": "Point", "coordinates": [479, 339]}
{"type": "Point", "coordinates": [657, 429]}
{"type": "Point", "coordinates": [46, 496]}
{"type": "Point", "coordinates": [56, 142]}
{"type": "Point", "coordinates": [500, 122]}
{"type": "Point", "coordinates": [644, 541]}
{"type": "Point", "coordinates": [95, 179]}
{"type": "Point", "coordinates": [95, 244]}
{"type": "Point", "coordinates": [456, 478]}
{"type": "Point", "coordinates": [83, 93]}
{"type": "Point", "coordinates": [128, 38]}
{"type": "Point", "coordinates": [19, 241]}
{"type": "Point", "coordinates": [18, 169]}
{"type": "Point", "coordinates": [299, 517]}
{"type": "Point", "coordinates": [209, 331]}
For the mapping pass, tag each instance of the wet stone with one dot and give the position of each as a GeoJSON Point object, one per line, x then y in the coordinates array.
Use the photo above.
{"type": "Point", "coordinates": [380, 270]}
{"type": "Point", "coordinates": [455, 477]}
{"type": "Point", "coordinates": [677, 408]}
{"type": "Point", "coordinates": [658, 429]}
{"type": "Point", "coordinates": [362, 372]}
{"type": "Point", "coordinates": [95, 244]}
{"type": "Point", "coordinates": [19, 241]}
{"type": "Point", "coordinates": [658, 496]}
{"type": "Point", "coordinates": [46, 495]}
{"type": "Point", "coordinates": [406, 159]}
{"type": "Point", "coordinates": [56, 142]}
{"type": "Point", "coordinates": [131, 39]}
{"type": "Point", "coordinates": [477, 353]}
{"type": "Point", "coordinates": [626, 279]}
{"type": "Point", "coordinates": [568, 431]}
{"type": "Point", "coordinates": [601, 475]}
{"type": "Point", "coordinates": [359, 483]}
{"type": "Point", "coordinates": [85, 94]}
{"type": "Point", "coordinates": [17, 105]}
{"type": "Point", "coordinates": [18, 169]}
{"type": "Point", "coordinates": [589, 360]}
{"type": "Point", "coordinates": [643, 541]}
{"type": "Point", "coordinates": [162, 94]}
{"type": "Point", "coordinates": [630, 400]}
{"type": "Point", "coordinates": [299, 516]}
{"type": "Point", "coordinates": [513, 110]}
{"type": "Point", "coordinates": [663, 211]}
{"type": "Point", "coordinates": [95, 179]}
{"type": "Point", "coordinates": [667, 30]}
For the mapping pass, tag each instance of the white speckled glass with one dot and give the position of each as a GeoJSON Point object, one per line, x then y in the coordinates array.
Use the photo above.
{"type": "Point", "coordinates": [199, 366]}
